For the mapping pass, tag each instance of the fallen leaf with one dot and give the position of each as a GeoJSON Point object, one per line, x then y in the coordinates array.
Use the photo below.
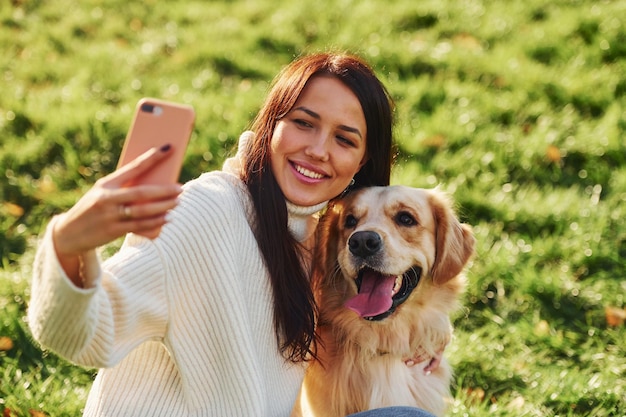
{"type": "Point", "coordinates": [526, 128]}
{"type": "Point", "coordinates": [467, 41]}
{"type": "Point", "coordinates": [435, 141]}
{"type": "Point", "coordinates": [500, 82]}
{"type": "Point", "coordinates": [615, 316]}
{"type": "Point", "coordinates": [85, 171]}
{"type": "Point", "coordinates": [136, 25]}
{"type": "Point", "coordinates": [46, 185]}
{"type": "Point", "coordinates": [6, 344]}
{"type": "Point", "coordinates": [476, 395]}
{"type": "Point", "coordinates": [553, 153]}
{"type": "Point", "coordinates": [13, 209]}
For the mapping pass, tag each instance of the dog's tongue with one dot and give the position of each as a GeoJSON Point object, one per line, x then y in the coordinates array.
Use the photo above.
{"type": "Point", "coordinates": [374, 296]}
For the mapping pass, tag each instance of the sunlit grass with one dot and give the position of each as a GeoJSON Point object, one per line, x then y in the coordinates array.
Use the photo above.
{"type": "Point", "coordinates": [516, 108]}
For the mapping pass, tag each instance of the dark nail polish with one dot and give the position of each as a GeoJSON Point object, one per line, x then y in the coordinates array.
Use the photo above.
{"type": "Point", "coordinates": [166, 147]}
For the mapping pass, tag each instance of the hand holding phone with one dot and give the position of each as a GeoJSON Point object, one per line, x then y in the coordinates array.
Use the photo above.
{"type": "Point", "coordinates": [158, 123]}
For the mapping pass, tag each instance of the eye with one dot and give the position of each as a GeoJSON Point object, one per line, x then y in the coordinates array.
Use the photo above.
{"type": "Point", "coordinates": [302, 123]}
{"type": "Point", "coordinates": [346, 141]}
{"type": "Point", "coordinates": [404, 218]}
{"type": "Point", "coordinates": [350, 222]}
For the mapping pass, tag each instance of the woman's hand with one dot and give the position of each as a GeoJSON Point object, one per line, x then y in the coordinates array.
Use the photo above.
{"type": "Point", "coordinates": [421, 356]}
{"type": "Point", "coordinates": [109, 210]}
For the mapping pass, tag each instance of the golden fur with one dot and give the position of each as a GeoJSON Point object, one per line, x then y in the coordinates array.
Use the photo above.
{"type": "Point", "coordinates": [360, 362]}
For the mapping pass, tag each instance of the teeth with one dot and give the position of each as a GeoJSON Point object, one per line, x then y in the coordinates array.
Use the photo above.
{"type": "Point", "coordinates": [308, 173]}
{"type": "Point", "coordinates": [397, 284]}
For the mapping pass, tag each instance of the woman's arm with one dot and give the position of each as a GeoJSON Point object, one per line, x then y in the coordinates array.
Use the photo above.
{"type": "Point", "coordinates": [91, 314]}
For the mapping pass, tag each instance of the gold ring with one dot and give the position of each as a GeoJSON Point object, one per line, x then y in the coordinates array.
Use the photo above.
{"type": "Point", "coordinates": [125, 212]}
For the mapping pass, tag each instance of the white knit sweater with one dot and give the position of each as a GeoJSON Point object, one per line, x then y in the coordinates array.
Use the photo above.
{"type": "Point", "coordinates": [182, 325]}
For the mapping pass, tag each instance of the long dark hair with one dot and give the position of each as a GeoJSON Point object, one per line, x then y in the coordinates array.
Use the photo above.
{"type": "Point", "coordinates": [294, 306]}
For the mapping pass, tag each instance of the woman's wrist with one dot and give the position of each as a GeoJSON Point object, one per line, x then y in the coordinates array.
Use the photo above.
{"type": "Point", "coordinates": [71, 263]}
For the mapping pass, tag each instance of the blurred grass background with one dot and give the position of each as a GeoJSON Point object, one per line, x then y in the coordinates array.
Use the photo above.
{"type": "Point", "coordinates": [517, 108]}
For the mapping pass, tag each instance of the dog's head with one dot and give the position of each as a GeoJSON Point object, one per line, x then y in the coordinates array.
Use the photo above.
{"type": "Point", "coordinates": [378, 243]}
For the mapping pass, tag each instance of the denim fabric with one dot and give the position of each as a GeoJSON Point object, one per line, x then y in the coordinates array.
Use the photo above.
{"type": "Point", "coordinates": [393, 412]}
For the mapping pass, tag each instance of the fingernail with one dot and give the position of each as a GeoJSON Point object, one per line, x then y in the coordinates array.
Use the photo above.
{"type": "Point", "coordinates": [410, 363]}
{"type": "Point", "coordinates": [427, 373]}
{"type": "Point", "coordinates": [165, 148]}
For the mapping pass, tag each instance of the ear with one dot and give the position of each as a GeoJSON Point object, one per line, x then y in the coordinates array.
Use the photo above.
{"type": "Point", "coordinates": [364, 160]}
{"type": "Point", "coordinates": [454, 240]}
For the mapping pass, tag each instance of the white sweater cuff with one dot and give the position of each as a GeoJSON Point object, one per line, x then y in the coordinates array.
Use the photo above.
{"type": "Point", "coordinates": [55, 300]}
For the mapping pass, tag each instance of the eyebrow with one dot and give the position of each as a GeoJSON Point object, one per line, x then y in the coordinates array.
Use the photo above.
{"type": "Point", "coordinates": [318, 117]}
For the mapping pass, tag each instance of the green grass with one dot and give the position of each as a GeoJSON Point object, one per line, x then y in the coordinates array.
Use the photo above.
{"type": "Point", "coordinates": [517, 108]}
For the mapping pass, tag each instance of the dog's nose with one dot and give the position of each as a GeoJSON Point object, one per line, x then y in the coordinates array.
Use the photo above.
{"type": "Point", "coordinates": [365, 244]}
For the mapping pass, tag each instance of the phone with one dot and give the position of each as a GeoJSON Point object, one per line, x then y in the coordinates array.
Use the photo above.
{"type": "Point", "coordinates": [157, 123]}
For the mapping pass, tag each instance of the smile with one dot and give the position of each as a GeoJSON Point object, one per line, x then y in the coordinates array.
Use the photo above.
{"type": "Point", "coordinates": [307, 172]}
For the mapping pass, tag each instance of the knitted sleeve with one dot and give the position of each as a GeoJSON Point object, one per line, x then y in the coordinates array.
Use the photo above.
{"type": "Point", "coordinates": [97, 326]}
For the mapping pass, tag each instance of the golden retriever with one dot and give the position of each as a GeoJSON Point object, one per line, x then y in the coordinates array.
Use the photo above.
{"type": "Point", "coordinates": [387, 274]}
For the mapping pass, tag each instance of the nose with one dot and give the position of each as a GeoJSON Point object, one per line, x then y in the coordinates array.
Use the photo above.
{"type": "Point", "coordinates": [318, 148]}
{"type": "Point", "coordinates": [364, 244]}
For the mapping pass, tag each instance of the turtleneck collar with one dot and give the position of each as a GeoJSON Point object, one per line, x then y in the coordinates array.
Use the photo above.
{"type": "Point", "coordinates": [302, 220]}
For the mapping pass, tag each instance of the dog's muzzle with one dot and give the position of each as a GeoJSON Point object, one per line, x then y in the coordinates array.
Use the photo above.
{"type": "Point", "coordinates": [379, 294]}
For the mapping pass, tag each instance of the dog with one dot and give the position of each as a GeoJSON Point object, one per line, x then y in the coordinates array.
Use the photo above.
{"type": "Point", "coordinates": [387, 274]}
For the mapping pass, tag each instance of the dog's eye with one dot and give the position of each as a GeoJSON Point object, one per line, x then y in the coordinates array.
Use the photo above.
{"type": "Point", "coordinates": [405, 219]}
{"type": "Point", "coordinates": [350, 221]}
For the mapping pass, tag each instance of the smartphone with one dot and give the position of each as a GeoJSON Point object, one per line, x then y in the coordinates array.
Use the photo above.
{"type": "Point", "coordinates": [157, 123]}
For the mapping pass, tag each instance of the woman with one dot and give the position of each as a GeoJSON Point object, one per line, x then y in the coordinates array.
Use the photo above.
{"type": "Point", "coordinates": [214, 315]}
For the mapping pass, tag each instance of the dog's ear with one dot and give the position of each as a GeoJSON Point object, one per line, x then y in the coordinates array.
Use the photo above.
{"type": "Point", "coordinates": [326, 247]}
{"type": "Point", "coordinates": [454, 240]}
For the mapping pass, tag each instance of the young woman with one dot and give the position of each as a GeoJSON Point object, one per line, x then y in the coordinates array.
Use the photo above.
{"type": "Point", "coordinates": [207, 308]}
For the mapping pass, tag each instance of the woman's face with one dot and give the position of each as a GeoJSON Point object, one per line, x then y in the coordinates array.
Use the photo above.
{"type": "Point", "coordinates": [320, 144]}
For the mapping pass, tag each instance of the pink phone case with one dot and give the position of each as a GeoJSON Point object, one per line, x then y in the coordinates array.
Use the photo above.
{"type": "Point", "coordinates": [157, 123]}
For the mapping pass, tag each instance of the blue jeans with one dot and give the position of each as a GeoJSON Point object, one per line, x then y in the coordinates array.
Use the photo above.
{"type": "Point", "coordinates": [393, 412]}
